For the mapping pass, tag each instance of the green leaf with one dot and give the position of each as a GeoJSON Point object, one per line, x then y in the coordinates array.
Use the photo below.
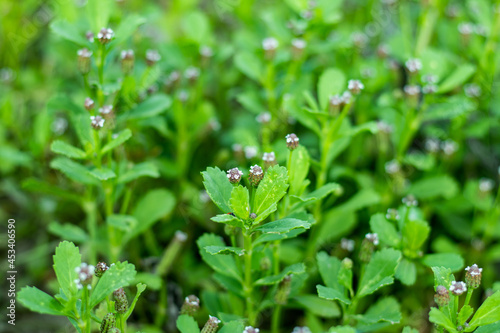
{"type": "Point", "coordinates": [99, 12]}
{"type": "Point", "coordinates": [273, 279]}
{"type": "Point", "coordinates": [151, 107]}
{"type": "Point", "coordinates": [336, 224]}
{"type": "Point", "coordinates": [492, 328]}
{"type": "Point", "coordinates": [465, 312]}
{"type": "Point", "coordinates": [145, 169]}
{"type": "Point", "coordinates": [439, 318]}
{"type": "Point", "coordinates": [224, 250]}
{"type": "Point", "coordinates": [187, 324]}
{"type": "Point", "coordinates": [329, 268]}
{"type": "Point", "coordinates": [415, 233]}
{"type": "Point", "coordinates": [332, 294]}
{"type": "Point", "coordinates": [316, 195]}
{"type": "Point", "coordinates": [298, 174]}
{"type": "Point", "coordinates": [73, 170]}
{"type": "Point", "coordinates": [140, 289]}
{"type": "Point", "coordinates": [434, 187]}
{"type": "Point", "coordinates": [342, 329]}
{"type": "Point", "coordinates": [318, 306]}
{"type": "Point", "coordinates": [156, 204]}
{"type": "Point", "coordinates": [385, 309]}
{"type": "Point", "coordinates": [228, 219]}
{"type": "Point", "coordinates": [69, 232]}
{"type": "Point", "coordinates": [271, 189]}
{"type": "Point", "coordinates": [442, 276]}
{"type": "Point", "coordinates": [461, 74]}
{"type": "Point", "coordinates": [379, 271]}
{"type": "Point", "coordinates": [250, 65]}
{"type": "Point", "coordinates": [408, 329]}
{"type": "Point", "coordinates": [240, 202]}
{"type": "Point", "coordinates": [117, 276]}
{"type": "Point", "coordinates": [283, 226]}
{"type": "Point", "coordinates": [225, 265]}
{"type": "Point", "coordinates": [121, 222]}
{"type": "Point", "coordinates": [264, 238]}
{"type": "Point", "coordinates": [453, 261]}
{"type": "Point", "coordinates": [385, 230]}
{"type": "Point", "coordinates": [66, 259]}
{"type": "Point", "coordinates": [261, 217]}
{"type": "Point", "coordinates": [218, 188]}
{"type": "Point", "coordinates": [196, 26]}
{"type": "Point", "coordinates": [63, 148]}
{"type": "Point", "coordinates": [102, 173]}
{"type": "Point", "coordinates": [127, 28]}
{"type": "Point", "coordinates": [38, 301]}
{"type": "Point", "coordinates": [232, 327]}
{"type": "Point", "coordinates": [488, 312]}
{"type": "Point", "coordinates": [69, 32]}
{"type": "Point", "coordinates": [118, 140]}
{"type": "Point", "coordinates": [406, 272]}
{"type": "Point", "coordinates": [36, 186]}
{"type": "Point", "coordinates": [331, 82]}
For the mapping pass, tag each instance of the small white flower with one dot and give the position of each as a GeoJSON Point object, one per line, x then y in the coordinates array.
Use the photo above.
{"type": "Point", "coordinates": [180, 236]}
{"type": "Point", "coordinates": [392, 167]}
{"type": "Point", "coordinates": [384, 127]}
{"type": "Point", "coordinates": [472, 90]}
{"type": "Point", "coordinates": [127, 54]}
{"type": "Point", "coordinates": [234, 175]}
{"type": "Point", "coordinates": [250, 152]}
{"type": "Point", "coordinates": [303, 329]}
{"type": "Point", "coordinates": [299, 44]}
{"type": "Point", "coordinates": [84, 53]}
{"type": "Point", "coordinates": [256, 170]}
{"type": "Point", "coordinates": [106, 109]}
{"type": "Point", "coordinates": [372, 237]}
{"type": "Point", "coordinates": [59, 126]}
{"type": "Point", "coordinates": [347, 244]}
{"type": "Point", "coordinates": [269, 157]}
{"type": "Point", "coordinates": [335, 100]}
{"type": "Point", "coordinates": [105, 35]}
{"type": "Point", "coordinates": [214, 320]}
{"type": "Point", "coordinates": [96, 122]}
{"type": "Point", "coordinates": [474, 270]}
{"type": "Point", "coordinates": [250, 329]}
{"type": "Point", "coordinates": [264, 118]}
{"type": "Point", "coordinates": [486, 185]}
{"type": "Point", "coordinates": [192, 73]}
{"type": "Point", "coordinates": [152, 57]}
{"type": "Point", "coordinates": [412, 89]}
{"type": "Point", "coordinates": [458, 288]}
{"type": "Point", "coordinates": [346, 97]}
{"type": "Point", "coordinates": [270, 44]}
{"type": "Point", "coordinates": [413, 65]}
{"type": "Point", "coordinates": [206, 51]}
{"type": "Point", "coordinates": [466, 28]}
{"type": "Point", "coordinates": [449, 147]}
{"type": "Point", "coordinates": [355, 86]}
{"type": "Point", "coordinates": [432, 145]}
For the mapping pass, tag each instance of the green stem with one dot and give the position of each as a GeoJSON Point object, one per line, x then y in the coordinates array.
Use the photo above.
{"type": "Point", "coordinates": [468, 297]}
{"type": "Point", "coordinates": [169, 256]}
{"type": "Point", "coordinates": [90, 209]}
{"type": "Point", "coordinates": [248, 283]}
{"type": "Point", "coordinates": [86, 309]}
{"type": "Point", "coordinates": [276, 319]}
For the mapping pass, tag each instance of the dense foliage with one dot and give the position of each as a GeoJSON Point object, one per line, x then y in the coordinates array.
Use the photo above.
{"type": "Point", "coordinates": [251, 165]}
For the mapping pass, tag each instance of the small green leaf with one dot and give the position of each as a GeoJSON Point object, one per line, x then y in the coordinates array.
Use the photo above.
{"type": "Point", "coordinates": [127, 28]}
{"type": "Point", "coordinates": [117, 276]}
{"type": "Point", "coordinates": [439, 318]}
{"type": "Point", "coordinates": [434, 187]}
{"type": "Point", "coordinates": [453, 261]}
{"type": "Point", "coordinates": [465, 312]}
{"type": "Point", "coordinates": [408, 329]}
{"type": "Point", "coordinates": [121, 222]}
{"type": "Point", "coordinates": [329, 268]}
{"type": "Point", "coordinates": [331, 82]}
{"type": "Point", "coordinates": [442, 276]}
{"type": "Point", "coordinates": [187, 324]}
{"type": "Point", "coordinates": [140, 289]}
{"type": "Point", "coordinates": [212, 249]}
{"type": "Point", "coordinates": [385, 309]}
{"type": "Point", "coordinates": [66, 259]}
{"type": "Point", "coordinates": [250, 65]}
{"type": "Point", "coordinates": [406, 272]}
{"type": "Point", "coordinates": [145, 169]}
{"type": "Point", "coordinates": [232, 327]}
{"type": "Point", "coordinates": [38, 301]}
{"type": "Point", "coordinates": [297, 176]}
{"type": "Point", "coordinates": [273, 279]}
{"type": "Point", "coordinates": [69, 32]}
{"type": "Point", "coordinates": [385, 230]}
{"type": "Point", "coordinates": [458, 77]}
{"type": "Point", "coordinates": [73, 170]}
{"type": "Point", "coordinates": [240, 202]}
{"type": "Point", "coordinates": [118, 140]}
{"type": "Point", "coordinates": [319, 306]}
{"type": "Point", "coordinates": [63, 148]}
{"type": "Point", "coordinates": [488, 312]}
{"type": "Point", "coordinates": [379, 271]}
{"type": "Point", "coordinates": [102, 173]}
{"type": "Point", "coordinates": [225, 265]}
{"type": "Point", "coordinates": [228, 219]}
{"type": "Point", "coordinates": [151, 107]}
{"type": "Point", "coordinates": [69, 232]}
{"type": "Point", "coordinates": [99, 12]}
{"type": "Point", "coordinates": [283, 226]}
{"type": "Point", "coordinates": [271, 189]}
{"type": "Point", "coordinates": [342, 329]}
{"type": "Point", "coordinates": [196, 26]}
{"type": "Point", "coordinates": [415, 233]}
{"type": "Point", "coordinates": [331, 294]}
{"type": "Point", "coordinates": [218, 188]}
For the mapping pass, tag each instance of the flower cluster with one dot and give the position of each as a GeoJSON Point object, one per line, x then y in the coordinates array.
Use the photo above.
{"type": "Point", "coordinates": [85, 273]}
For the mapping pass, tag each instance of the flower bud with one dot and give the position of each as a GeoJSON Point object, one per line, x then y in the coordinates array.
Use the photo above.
{"type": "Point", "coordinates": [263, 118]}
{"type": "Point", "coordinates": [192, 74]}
{"type": "Point", "coordinates": [355, 86]}
{"type": "Point", "coordinates": [127, 61]}
{"type": "Point", "coordinates": [368, 246]}
{"type": "Point", "coordinates": [413, 65]}
{"type": "Point", "coordinates": [410, 201]}
{"type": "Point", "coordinates": [255, 175]}
{"type": "Point", "coordinates": [298, 46]}
{"type": "Point", "coordinates": [283, 291]}
{"type": "Point", "coordinates": [85, 273]}
{"type": "Point", "coordinates": [84, 60]}
{"type": "Point", "coordinates": [121, 302]}
{"type": "Point", "coordinates": [250, 329]}
{"type": "Point", "coordinates": [347, 244]}
{"type": "Point", "coordinates": [269, 45]}
{"type": "Point", "coordinates": [449, 147]}
{"type": "Point", "coordinates": [100, 269]}
{"type": "Point", "coordinates": [106, 111]}
{"type": "Point", "coordinates": [392, 167]}
{"type": "Point", "coordinates": [97, 122]}
{"type": "Point", "coordinates": [303, 329]}
{"type": "Point", "coordinates": [90, 36]}
{"type": "Point", "coordinates": [105, 35]}
{"type": "Point", "coordinates": [458, 288]}
{"type": "Point", "coordinates": [211, 325]}
{"type": "Point", "coordinates": [473, 276]}
{"type": "Point", "coordinates": [292, 141]}
{"type": "Point", "coordinates": [269, 159]}
{"type": "Point", "coordinates": [89, 104]}
{"type": "Point", "coordinates": [335, 103]}
{"type": "Point", "coordinates": [442, 296]}
{"type": "Point", "coordinates": [152, 57]}
{"type": "Point", "coordinates": [392, 214]}
{"type": "Point", "coordinates": [234, 175]}
{"type": "Point", "coordinates": [191, 305]}
{"type": "Point", "coordinates": [108, 322]}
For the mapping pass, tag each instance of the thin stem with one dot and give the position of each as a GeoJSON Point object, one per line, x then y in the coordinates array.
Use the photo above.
{"type": "Point", "coordinates": [248, 283]}
{"type": "Point", "coordinates": [276, 319]}
{"type": "Point", "coordinates": [169, 256]}
{"type": "Point", "coordinates": [468, 297]}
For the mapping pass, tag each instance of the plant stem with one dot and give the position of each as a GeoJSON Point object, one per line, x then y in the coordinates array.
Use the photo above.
{"type": "Point", "coordinates": [248, 283]}
{"type": "Point", "coordinates": [468, 297]}
{"type": "Point", "coordinates": [169, 256]}
{"type": "Point", "coordinates": [90, 209]}
{"type": "Point", "coordinates": [276, 319]}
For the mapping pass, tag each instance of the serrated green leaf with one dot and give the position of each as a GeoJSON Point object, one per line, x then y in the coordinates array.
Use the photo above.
{"type": "Point", "coordinates": [442, 276]}
{"type": "Point", "coordinates": [187, 324]}
{"type": "Point", "coordinates": [273, 279]}
{"type": "Point", "coordinates": [117, 276]}
{"type": "Point", "coordinates": [329, 268]}
{"type": "Point", "coordinates": [240, 202]}
{"type": "Point", "coordinates": [38, 301]}
{"type": "Point", "coordinates": [228, 219]}
{"type": "Point", "coordinates": [102, 173]}
{"type": "Point", "coordinates": [331, 82]}
{"type": "Point", "coordinates": [319, 306]}
{"type": "Point", "coordinates": [332, 294]}
{"type": "Point", "coordinates": [415, 233]}
{"type": "Point", "coordinates": [118, 140]}
{"type": "Point", "coordinates": [271, 189]}
{"type": "Point", "coordinates": [232, 327]}
{"type": "Point", "coordinates": [453, 261]}
{"type": "Point", "coordinates": [66, 259]}
{"type": "Point", "coordinates": [68, 232]}
{"type": "Point", "coordinates": [283, 226]}
{"type": "Point", "coordinates": [218, 188]}
{"type": "Point", "coordinates": [63, 148]}
{"type": "Point", "coordinates": [262, 216]}
{"type": "Point", "coordinates": [145, 169]}
{"type": "Point", "coordinates": [406, 272]}
{"type": "Point", "coordinates": [225, 265]}
{"type": "Point", "coordinates": [385, 309]}
{"type": "Point", "coordinates": [213, 250]}
{"type": "Point", "coordinates": [488, 312]}
{"type": "Point", "coordinates": [465, 312]}
{"type": "Point", "coordinates": [385, 230]}
{"type": "Point", "coordinates": [439, 318]}
{"type": "Point", "coordinates": [379, 271]}
{"type": "Point", "coordinates": [73, 170]}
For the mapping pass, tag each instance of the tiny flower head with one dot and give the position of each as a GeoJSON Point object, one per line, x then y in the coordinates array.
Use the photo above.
{"type": "Point", "coordinates": [270, 44]}
{"type": "Point", "coordinates": [430, 88]}
{"type": "Point", "coordinates": [449, 147]}
{"type": "Point", "coordinates": [89, 35]}
{"type": "Point", "coordinates": [106, 110]}
{"type": "Point", "coordinates": [392, 167]}
{"type": "Point", "coordinates": [121, 302]}
{"type": "Point", "coordinates": [466, 28]}
{"type": "Point", "coordinates": [347, 244]}
{"type": "Point", "coordinates": [250, 152]}
{"type": "Point", "coordinates": [355, 86]}
{"type": "Point", "coordinates": [191, 305]}
{"type": "Point", "coordinates": [97, 122]}
{"type": "Point", "coordinates": [442, 296]}
{"type": "Point", "coordinates": [89, 103]}
{"type": "Point", "coordinates": [384, 127]}
{"type": "Point", "coordinates": [206, 51]}
{"type": "Point", "coordinates": [473, 276]}
{"type": "Point", "coordinates": [410, 201]}
{"type": "Point", "coordinates": [392, 214]}
{"type": "Point", "coordinates": [105, 35]}
{"type": "Point", "coordinates": [411, 90]}
{"type": "Point", "coordinates": [192, 73]}
{"type": "Point", "coordinates": [292, 141]}
{"type": "Point", "coordinates": [100, 269]}
{"type": "Point", "coordinates": [486, 185]}
{"type": "Point", "coordinates": [264, 118]}
{"type": "Point", "coordinates": [458, 288]}
{"type": "Point", "coordinates": [250, 329]}
{"type": "Point", "coordinates": [255, 175]}
{"type": "Point", "coordinates": [303, 329]}
{"type": "Point", "coordinates": [211, 325]}
{"type": "Point", "coordinates": [85, 273]}
{"type": "Point", "coordinates": [84, 60]}
{"type": "Point", "coordinates": [234, 175]}
{"type": "Point", "coordinates": [372, 237]}
{"type": "Point", "coordinates": [346, 97]}
{"type": "Point", "coordinates": [472, 90]}
{"type": "Point", "coordinates": [269, 159]}
{"type": "Point", "coordinates": [152, 57]}
{"type": "Point", "coordinates": [180, 236]}
{"type": "Point", "coordinates": [359, 39]}
{"type": "Point", "coordinates": [413, 65]}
